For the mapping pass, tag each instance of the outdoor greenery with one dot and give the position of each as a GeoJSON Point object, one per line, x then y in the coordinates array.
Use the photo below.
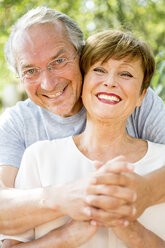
{"type": "Point", "coordinates": [145, 17]}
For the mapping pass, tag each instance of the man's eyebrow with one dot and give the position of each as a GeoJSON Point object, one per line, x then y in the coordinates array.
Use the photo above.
{"type": "Point", "coordinates": [62, 50]}
{"type": "Point", "coordinates": [27, 66]}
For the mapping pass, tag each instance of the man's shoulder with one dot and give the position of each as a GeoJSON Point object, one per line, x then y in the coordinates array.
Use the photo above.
{"type": "Point", "coordinates": [21, 106]}
{"type": "Point", "coordinates": [23, 110]}
{"type": "Point", "coordinates": [27, 105]}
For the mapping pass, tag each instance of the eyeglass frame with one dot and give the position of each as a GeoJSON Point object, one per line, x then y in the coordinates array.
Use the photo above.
{"type": "Point", "coordinates": [23, 78]}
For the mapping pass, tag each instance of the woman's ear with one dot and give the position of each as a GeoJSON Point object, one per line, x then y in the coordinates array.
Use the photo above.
{"type": "Point", "coordinates": [141, 97]}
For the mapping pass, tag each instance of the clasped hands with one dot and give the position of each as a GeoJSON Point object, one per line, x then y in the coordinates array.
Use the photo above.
{"type": "Point", "coordinates": [111, 196]}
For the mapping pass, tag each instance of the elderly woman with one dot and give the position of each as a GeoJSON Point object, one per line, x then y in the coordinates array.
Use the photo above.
{"type": "Point", "coordinates": [117, 71]}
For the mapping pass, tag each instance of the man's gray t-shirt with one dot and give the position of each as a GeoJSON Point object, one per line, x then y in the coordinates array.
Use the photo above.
{"type": "Point", "coordinates": [26, 123]}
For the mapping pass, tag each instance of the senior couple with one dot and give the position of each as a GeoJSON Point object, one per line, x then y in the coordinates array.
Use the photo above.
{"type": "Point", "coordinates": [79, 191]}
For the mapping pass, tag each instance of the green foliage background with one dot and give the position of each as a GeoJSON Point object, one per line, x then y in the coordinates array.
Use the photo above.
{"type": "Point", "coordinates": [145, 17]}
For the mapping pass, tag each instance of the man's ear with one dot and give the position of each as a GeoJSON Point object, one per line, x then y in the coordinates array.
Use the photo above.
{"type": "Point", "coordinates": [141, 97]}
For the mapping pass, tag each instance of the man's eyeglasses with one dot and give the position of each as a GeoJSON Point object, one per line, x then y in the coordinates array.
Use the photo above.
{"type": "Point", "coordinates": [56, 66]}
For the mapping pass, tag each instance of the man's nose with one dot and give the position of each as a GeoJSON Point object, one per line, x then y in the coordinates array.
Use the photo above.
{"type": "Point", "coordinates": [48, 80]}
{"type": "Point", "coordinates": [110, 80]}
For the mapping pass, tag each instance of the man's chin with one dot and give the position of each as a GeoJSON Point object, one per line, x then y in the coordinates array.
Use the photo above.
{"type": "Point", "coordinates": [63, 112]}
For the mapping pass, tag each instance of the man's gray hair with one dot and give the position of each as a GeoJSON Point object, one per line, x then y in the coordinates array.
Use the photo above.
{"type": "Point", "coordinates": [44, 15]}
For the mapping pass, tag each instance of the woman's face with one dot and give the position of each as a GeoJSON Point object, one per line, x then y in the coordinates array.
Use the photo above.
{"type": "Point", "coordinates": [113, 89]}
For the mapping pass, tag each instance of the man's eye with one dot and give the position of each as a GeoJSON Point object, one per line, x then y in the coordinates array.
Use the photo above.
{"type": "Point", "coordinates": [30, 72]}
{"type": "Point", "coordinates": [60, 60]}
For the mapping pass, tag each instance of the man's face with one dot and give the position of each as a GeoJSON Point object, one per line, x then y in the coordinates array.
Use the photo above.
{"type": "Point", "coordinates": [55, 90]}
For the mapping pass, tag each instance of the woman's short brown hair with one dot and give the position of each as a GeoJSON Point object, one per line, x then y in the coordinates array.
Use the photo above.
{"type": "Point", "coordinates": [118, 44]}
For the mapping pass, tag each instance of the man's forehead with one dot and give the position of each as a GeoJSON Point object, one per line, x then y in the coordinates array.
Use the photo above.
{"type": "Point", "coordinates": [42, 36]}
{"type": "Point", "coordinates": [37, 51]}
{"type": "Point", "coordinates": [46, 32]}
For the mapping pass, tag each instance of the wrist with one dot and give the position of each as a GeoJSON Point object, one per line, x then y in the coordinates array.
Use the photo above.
{"type": "Point", "coordinates": [153, 190]}
{"type": "Point", "coordinates": [51, 199]}
{"type": "Point", "coordinates": [130, 235]}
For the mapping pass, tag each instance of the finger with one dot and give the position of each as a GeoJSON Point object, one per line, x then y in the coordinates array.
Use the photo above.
{"type": "Point", "coordinates": [104, 202]}
{"type": "Point", "coordinates": [123, 212]}
{"type": "Point", "coordinates": [120, 222]}
{"type": "Point", "coordinates": [110, 179]}
{"type": "Point", "coordinates": [104, 218]}
{"type": "Point", "coordinates": [117, 165]}
{"type": "Point", "coordinates": [112, 190]}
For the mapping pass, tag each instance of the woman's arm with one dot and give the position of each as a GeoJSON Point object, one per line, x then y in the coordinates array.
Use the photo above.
{"type": "Point", "coordinates": [135, 235]}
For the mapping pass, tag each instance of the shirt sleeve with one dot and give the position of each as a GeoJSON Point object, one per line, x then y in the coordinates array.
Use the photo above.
{"type": "Point", "coordinates": [12, 144]}
{"type": "Point", "coordinates": [149, 119]}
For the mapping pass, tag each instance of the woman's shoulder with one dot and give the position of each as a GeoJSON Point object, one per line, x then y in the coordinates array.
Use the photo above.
{"type": "Point", "coordinates": [43, 146]}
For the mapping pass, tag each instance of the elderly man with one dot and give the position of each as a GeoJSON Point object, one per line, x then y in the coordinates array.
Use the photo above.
{"type": "Point", "coordinates": [44, 49]}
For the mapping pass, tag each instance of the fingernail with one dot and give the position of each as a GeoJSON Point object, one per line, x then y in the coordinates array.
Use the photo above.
{"type": "Point", "coordinates": [93, 223]}
{"type": "Point", "coordinates": [126, 223]}
{"type": "Point", "coordinates": [87, 211]}
{"type": "Point", "coordinates": [134, 197]}
{"type": "Point", "coordinates": [88, 199]}
{"type": "Point", "coordinates": [134, 211]}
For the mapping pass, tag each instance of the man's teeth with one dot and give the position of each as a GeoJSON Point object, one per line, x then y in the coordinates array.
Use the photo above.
{"type": "Point", "coordinates": [55, 95]}
{"type": "Point", "coordinates": [109, 98]}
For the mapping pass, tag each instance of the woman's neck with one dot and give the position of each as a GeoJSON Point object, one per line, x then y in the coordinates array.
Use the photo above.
{"type": "Point", "coordinates": [106, 140]}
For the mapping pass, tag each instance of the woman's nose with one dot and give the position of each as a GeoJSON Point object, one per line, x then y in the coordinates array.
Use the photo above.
{"type": "Point", "coordinates": [110, 80]}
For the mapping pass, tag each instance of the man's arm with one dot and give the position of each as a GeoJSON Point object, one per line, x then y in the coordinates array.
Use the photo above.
{"type": "Point", "coordinates": [71, 235]}
{"type": "Point", "coordinates": [148, 121]}
{"type": "Point", "coordinates": [136, 235]}
{"type": "Point", "coordinates": [21, 210]}
{"type": "Point", "coordinates": [157, 184]}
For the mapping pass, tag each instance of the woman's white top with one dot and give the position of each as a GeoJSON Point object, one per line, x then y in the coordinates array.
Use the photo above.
{"type": "Point", "coordinates": [59, 161]}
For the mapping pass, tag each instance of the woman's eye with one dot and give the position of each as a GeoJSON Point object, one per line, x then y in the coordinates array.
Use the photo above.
{"type": "Point", "coordinates": [126, 74]}
{"type": "Point", "coordinates": [97, 69]}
